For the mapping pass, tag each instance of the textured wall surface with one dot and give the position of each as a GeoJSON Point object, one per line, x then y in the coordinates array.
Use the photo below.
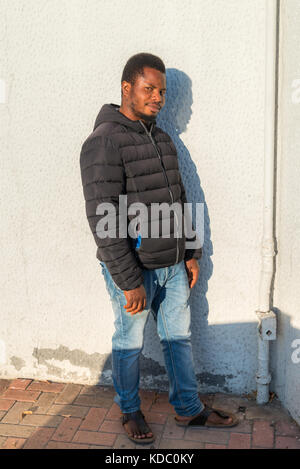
{"type": "Point", "coordinates": [60, 61]}
{"type": "Point", "coordinates": [285, 352]}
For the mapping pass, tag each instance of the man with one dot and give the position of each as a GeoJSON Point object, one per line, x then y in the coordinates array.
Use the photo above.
{"type": "Point", "coordinates": [128, 156]}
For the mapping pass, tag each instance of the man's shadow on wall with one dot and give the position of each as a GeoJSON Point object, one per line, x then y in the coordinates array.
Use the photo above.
{"type": "Point", "coordinates": [174, 119]}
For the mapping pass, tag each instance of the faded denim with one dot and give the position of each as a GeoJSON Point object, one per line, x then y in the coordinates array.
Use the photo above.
{"type": "Point", "coordinates": [168, 292]}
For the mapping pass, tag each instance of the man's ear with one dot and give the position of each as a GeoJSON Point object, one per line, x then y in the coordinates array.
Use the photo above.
{"type": "Point", "coordinates": [126, 87]}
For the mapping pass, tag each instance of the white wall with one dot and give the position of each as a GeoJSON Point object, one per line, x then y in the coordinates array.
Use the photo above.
{"type": "Point", "coordinates": [285, 352]}
{"type": "Point", "coordinates": [61, 60]}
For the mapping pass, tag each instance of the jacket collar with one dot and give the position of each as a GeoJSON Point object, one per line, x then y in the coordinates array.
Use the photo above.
{"type": "Point", "coordinates": [110, 113]}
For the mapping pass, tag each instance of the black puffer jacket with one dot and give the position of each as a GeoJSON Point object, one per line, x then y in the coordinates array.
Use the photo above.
{"type": "Point", "coordinates": [121, 157]}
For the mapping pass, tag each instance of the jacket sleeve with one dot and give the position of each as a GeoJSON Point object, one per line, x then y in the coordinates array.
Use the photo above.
{"type": "Point", "coordinates": [103, 180]}
{"type": "Point", "coordinates": [195, 253]}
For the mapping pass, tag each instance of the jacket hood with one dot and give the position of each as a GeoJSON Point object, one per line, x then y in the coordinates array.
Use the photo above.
{"type": "Point", "coordinates": [110, 113]}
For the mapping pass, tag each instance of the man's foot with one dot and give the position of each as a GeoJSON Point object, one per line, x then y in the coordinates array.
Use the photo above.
{"type": "Point", "coordinates": [137, 428]}
{"type": "Point", "coordinates": [212, 418]}
{"type": "Point", "coordinates": [209, 417]}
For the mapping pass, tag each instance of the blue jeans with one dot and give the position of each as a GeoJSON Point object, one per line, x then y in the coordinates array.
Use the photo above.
{"type": "Point", "coordinates": [168, 292]}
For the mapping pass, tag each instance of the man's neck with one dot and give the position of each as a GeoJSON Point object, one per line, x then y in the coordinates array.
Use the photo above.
{"type": "Point", "coordinates": [127, 113]}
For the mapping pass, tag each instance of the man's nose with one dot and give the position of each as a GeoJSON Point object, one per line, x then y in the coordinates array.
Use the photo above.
{"type": "Point", "coordinates": [156, 96]}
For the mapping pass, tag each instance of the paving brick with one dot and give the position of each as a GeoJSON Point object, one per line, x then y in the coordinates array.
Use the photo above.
{"type": "Point", "coordinates": [94, 438]}
{"type": "Point", "coordinates": [114, 413]}
{"type": "Point", "coordinates": [20, 383]}
{"type": "Point", "coordinates": [266, 412]}
{"type": "Point", "coordinates": [68, 410]}
{"type": "Point", "coordinates": [46, 386]}
{"type": "Point", "coordinates": [63, 445]}
{"type": "Point", "coordinates": [172, 430]}
{"type": "Point", "coordinates": [228, 402]}
{"type": "Point", "coordinates": [4, 385]}
{"type": "Point", "coordinates": [69, 394]}
{"type": "Point", "coordinates": [263, 434]}
{"type": "Point", "coordinates": [145, 405]}
{"type": "Point", "coordinates": [112, 426]}
{"type": "Point", "coordinates": [15, 413]}
{"type": "Point", "coordinates": [14, 443]}
{"type": "Point", "coordinates": [123, 442]}
{"type": "Point", "coordinates": [106, 392]}
{"type": "Point", "coordinates": [155, 417]}
{"type": "Point", "coordinates": [6, 404]}
{"type": "Point", "coordinates": [149, 446]}
{"type": "Point", "coordinates": [287, 429]}
{"type": "Point", "coordinates": [212, 446]}
{"type": "Point", "coordinates": [207, 435]}
{"type": "Point", "coordinates": [39, 438]}
{"type": "Point", "coordinates": [20, 395]}
{"type": "Point", "coordinates": [287, 442]}
{"type": "Point", "coordinates": [93, 419]}
{"type": "Point", "coordinates": [161, 397]}
{"type": "Point", "coordinates": [239, 441]}
{"type": "Point", "coordinates": [44, 402]}
{"type": "Point", "coordinates": [258, 447]}
{"type": "Point", "coordinates": [94, 401]}
{"type": "Point", "coordinates": [147, 399]}
{"type": "Point", "coordinates": [19, 431]}
{"type": "Point", "coordinates": [98, 447]}
{"type": "Point", "coordinates": [169, 443]}
{"type": "Point", "coordinates": [147, 393]}
{"type": "Point", "coordinates": [162, 407]}
{"type": "Point", "coordinates": [67, 429]}
{"type": "Point", "coordinates": [157, 429]}
{"type": "Point", "coordinates": [39, 420]}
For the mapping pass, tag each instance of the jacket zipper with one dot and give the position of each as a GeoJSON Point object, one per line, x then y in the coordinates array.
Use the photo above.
{"type": "Point", "coordinates": [166, 178]}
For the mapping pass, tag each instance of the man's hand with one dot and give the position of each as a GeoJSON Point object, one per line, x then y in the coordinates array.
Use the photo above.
{"type": "Point", "coordinates": [136, 300]}
{"type": "Point", "coordinates": [192, 270]}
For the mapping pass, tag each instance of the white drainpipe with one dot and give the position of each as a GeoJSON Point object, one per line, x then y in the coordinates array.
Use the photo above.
{"type": "Point", "coordinates": [267, 318]}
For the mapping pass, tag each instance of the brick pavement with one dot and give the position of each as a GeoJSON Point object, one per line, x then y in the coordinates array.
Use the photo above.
{"type": "Point", "coordinates": [48, 415]}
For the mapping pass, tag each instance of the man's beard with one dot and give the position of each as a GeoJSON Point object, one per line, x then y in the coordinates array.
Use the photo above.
{"type": "Point", "coordinates": [142, 116]}
{"type": "Point", "coordinates": [148, 118]}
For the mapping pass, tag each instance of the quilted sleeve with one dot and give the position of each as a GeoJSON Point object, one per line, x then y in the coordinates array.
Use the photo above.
{"type": "Point", "coordinates": [103, 181]}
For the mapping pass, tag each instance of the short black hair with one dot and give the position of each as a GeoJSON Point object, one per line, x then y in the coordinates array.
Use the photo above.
{"type": "Point", "coordinates": [136, 64]}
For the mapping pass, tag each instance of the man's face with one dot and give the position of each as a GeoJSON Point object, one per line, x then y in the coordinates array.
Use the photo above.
{"type": "Point", "coordinates": [146, 97]}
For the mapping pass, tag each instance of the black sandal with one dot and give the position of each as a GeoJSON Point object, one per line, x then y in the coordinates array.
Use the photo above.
{"type": "Point", "coordinates": [201, 419]}
{"type": "Point", "coordinates": [139, 419]}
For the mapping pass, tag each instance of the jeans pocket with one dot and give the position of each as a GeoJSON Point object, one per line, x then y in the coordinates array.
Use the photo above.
{"type": "Point", "coordinates": [111, 286]}
{"type": "Point", "coordinates": [116, 286]}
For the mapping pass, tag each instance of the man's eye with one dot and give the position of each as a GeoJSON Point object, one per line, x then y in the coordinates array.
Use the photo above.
{"type": "Point", "coordinates": [148, 88]}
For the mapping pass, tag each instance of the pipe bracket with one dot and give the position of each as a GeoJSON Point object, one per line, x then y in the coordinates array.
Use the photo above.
{"type": "Point", "coordinates": [266, 325]}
